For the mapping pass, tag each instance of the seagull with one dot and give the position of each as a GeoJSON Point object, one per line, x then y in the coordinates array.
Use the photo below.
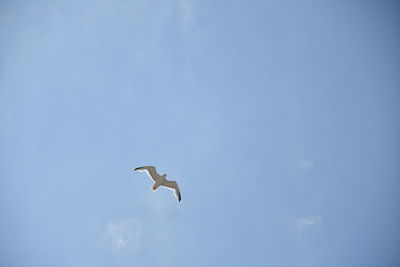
{"type": "Point", "coordinates": [159, 180]}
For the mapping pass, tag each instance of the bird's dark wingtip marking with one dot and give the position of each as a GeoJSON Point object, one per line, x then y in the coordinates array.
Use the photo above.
{"type": "Point", "coordinates": [136, 168]}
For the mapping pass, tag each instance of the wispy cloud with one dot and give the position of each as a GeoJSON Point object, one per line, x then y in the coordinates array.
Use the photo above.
{"type": "Point", "coordinates": [187, 10]}
{"type": "Point", "coordinates": [308, 226]}
{"type": "Point", "coordinates": [124, 236]}
{"type": "Point", "coordinates": [305, 164]}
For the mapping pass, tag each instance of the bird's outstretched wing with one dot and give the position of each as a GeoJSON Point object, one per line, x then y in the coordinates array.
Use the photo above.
{"type": "Point", "coordinates": [150, 170]}
{"type": "Point", "coordinates": [174, 186]}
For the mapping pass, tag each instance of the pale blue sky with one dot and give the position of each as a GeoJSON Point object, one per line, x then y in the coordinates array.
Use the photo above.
{"type": "Point", "coordinates": [279, 120]}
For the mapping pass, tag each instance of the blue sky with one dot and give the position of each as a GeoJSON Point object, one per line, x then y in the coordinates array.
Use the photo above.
{"type": "Point", "coordinates": [278, 119]}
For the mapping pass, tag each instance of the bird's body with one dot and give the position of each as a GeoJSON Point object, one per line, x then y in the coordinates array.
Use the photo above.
{"type": "Point", "coordinates": [160, 180]}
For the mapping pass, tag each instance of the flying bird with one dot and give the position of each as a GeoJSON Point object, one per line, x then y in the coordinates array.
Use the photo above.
{"type": "Point", "coordinates": [160, 180]}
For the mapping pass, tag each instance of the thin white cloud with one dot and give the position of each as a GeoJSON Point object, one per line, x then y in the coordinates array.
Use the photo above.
{"type": "Point", "coordinates": [124, 236]}
{"type": "Point", "coordinates": [307, 222]}
{"type": "Point", "coordinates": [187, 16]}
{"type": "Point", "coordinates": [305, 164]}
{"type": "Point", "coordinates": [187, 9]}
{"type": "Point", "coordinates": [308, 226]}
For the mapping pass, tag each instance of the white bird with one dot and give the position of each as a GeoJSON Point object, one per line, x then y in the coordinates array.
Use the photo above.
{"type": "Point", "coordinates": [159, 180]}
